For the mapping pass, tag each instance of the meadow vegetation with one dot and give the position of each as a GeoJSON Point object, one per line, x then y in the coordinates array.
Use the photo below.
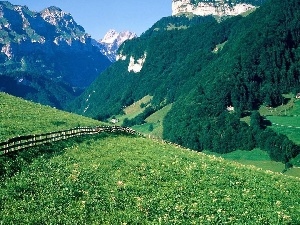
{"type": "Point", "coordinates": [131, 180]}
{"type": "Point", "coordinates": [260, 159]}
{"type": "Point", "coordinates": [19, 117]}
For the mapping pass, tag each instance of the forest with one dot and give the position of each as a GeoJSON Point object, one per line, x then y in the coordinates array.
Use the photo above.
{"type": "Point", "coordinates": [257, 65]}
{"type": "Point", "coordinates": [243, 62]}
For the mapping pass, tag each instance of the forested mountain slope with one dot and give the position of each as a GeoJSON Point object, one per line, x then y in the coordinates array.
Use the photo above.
{"type": "Point", "coordinates": [243, 62]}
{"type": "Point", "coordinates": [166, 51]}
{"type": "Point", "coordinates": [259, 63]}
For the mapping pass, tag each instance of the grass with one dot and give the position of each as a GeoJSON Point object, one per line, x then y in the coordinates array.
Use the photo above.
{"type": "Point", "coordinates": [19, 117]}
{"type": "Point", "coordinates": [158, 116]}
{"type": "Point", "coordinates": [259, 159]}
{"type": "Point", "coordinates": [119, 179]}
{"type": "Point", "coordinates": [293, 133]}
{"type": "Point", "coordinates": [130, 180]}
{"type": "Point", "coordinates": [155, 121]}
{"type": "Point", "coordinates": [134, 109]}
{"type": "Point", "coordinates": [219, 47]}
{"type": "Point", "coordinates": [285, 119]}
{"type": "Point", "coordinates": [174, 27]}
{"type": "Point", "coordinates": [291, 108]}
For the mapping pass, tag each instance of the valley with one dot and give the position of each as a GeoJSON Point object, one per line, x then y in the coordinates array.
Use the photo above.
{"type": "Point", "coordinates": [115, 178]}
{"type": "Point", "coordinates": [195, 121]}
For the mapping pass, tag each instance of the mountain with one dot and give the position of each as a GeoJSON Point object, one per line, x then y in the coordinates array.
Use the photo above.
{"type": "Point", "coordinates": [117, 82]}
{"type": "Point", "coordinates": [111, 42]}
{"type": "Point", "coordinates": [214, 7]}
{"type": "Point", "coordinates": [215, 75]}
{"type": "Point", "coordinates": [47, 45]}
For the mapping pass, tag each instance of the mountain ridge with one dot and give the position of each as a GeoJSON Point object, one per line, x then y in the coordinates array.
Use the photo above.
{"type": "Point", "coordinates": [46, 49]}
{"type": "Point", "coordinates": [47, 33]}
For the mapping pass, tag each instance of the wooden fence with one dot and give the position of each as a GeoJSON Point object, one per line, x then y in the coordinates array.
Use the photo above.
{"type": "Point", "coordinates": [23, 142]}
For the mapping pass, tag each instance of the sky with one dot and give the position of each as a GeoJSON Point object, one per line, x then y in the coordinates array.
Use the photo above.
{"type": "Point", "coordinates": [99, 16]}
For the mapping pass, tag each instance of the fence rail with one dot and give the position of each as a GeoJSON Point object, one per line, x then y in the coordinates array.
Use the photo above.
{"type": "Point", "coordinates": [23, 142]}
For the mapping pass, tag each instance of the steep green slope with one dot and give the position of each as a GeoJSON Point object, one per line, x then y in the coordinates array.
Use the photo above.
{"type": "Point", "coordinates": [175, 23]}
{"type": "Point", "coordinates": [169, 64]}
{"type": "Point", "coordinates": [20, 117]}
{"type": "Point", "coordinates": [238, 64]}
{"type": "Point", "coordinates": [119, 180]}
{"type": "Point", "coordinates": [257, 65]}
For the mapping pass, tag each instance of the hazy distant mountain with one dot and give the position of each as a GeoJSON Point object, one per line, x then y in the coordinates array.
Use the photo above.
{"type": "Point", "coordinates": [111, 42]}
{"type": "Point", "coordinates": [45, 56]}
{"type": "Point", "coordinates": [49, 43]}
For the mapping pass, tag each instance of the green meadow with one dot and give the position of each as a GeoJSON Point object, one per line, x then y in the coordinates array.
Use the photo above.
{"type": "Point", "coordinates": [127, 179]}
{"type": "Point", "coordinates": [111, 179]}
{"type": "Point", "coordinates": [19, 117]}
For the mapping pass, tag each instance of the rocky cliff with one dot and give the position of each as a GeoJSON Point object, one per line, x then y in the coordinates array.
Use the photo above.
{"type": "Point", "coordinates": [214, 7]}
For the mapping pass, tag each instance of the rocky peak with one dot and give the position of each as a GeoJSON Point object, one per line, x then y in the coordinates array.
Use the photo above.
{"type": "Point", "coordinates": [110, 37]}
{"type": "Point", "coordinates": [111, 42]}
{"type": "Point", "coordinates": [53, 15]}
{"type": "Point", "coordinates": [57, 17]}
{"type": "Point", "coordinates": [126, 35]}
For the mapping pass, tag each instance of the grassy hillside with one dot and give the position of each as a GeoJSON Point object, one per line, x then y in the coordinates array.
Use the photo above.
{"type": "Point", "coordinates": [114, 179]}
{"type": "Point", "coordinates": [260, 159]}
{"type": "Point", "coordinates": [285, 119]}
{"type": "Point", "coordinates": [134, 109]}
{"type": "Point", "coordinates": [129, 180]}
{"type": "Point", "coordinates": [154, 123]}
{"type": "Point", "coordinates": [20, 117]}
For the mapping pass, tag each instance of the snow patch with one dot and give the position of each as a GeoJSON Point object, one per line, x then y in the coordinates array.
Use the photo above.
{"type": "Point", "coordinates": [7, 50]}
{"type": "Point", "coordinates": [136, 65]}
{"type": "Point", "coordinates": [121, 57]}
{"type": "Point", "coordinates": [86, 108]}
{"type": "Point", "coordinates": [88, 98]}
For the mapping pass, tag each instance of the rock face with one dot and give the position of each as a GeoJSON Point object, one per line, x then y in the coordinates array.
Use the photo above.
{"type": "Point", "coordinates": [111, 42]}
{"type": "Point", "coordinates": [50, 43]}
{"type": "Point", "coordinates": [214, 7]}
